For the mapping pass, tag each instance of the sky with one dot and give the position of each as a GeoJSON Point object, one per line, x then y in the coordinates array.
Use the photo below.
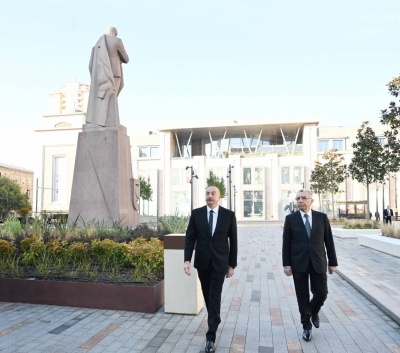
{"type": "Point", "coordinates": [208, 60]}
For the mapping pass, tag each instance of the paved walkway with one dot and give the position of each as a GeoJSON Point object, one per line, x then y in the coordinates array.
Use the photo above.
{"type": "Point", "coordinates": [373, 273]}
{"type": "Point", "coordinates": [259, 313]}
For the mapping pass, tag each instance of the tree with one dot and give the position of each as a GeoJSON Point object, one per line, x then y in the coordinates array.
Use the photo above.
{"type": "Point", "coordinates": [146, 192]}
{"type": "Point", "coordinates": [328, 176]}
{"type": "Point", "coordinates": [367, 164]}
{"type": "Point", "coordinates": [10, 193]}
{"type": "Point", "coordinates": [391, 117]}
{"type": "Point", "coordinates": [319, 180]}
{"type": "Point", "coordinates": [213, 180]}
{"type": "Point", "coordinates": [335, 171]}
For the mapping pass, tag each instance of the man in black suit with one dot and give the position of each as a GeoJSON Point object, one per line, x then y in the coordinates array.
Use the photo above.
{"type": "Point", "coordinates": [387, 215]}
{"type": "Point", "coordinates": [214, 229]}
{"type": "Point", "coordinates": [306, 235]}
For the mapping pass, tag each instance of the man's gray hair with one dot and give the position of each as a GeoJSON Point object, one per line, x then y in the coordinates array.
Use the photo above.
{"type": "Point", "coordinates": [308, 191]}
{"type": "Point", "coordinates": [112, 31]}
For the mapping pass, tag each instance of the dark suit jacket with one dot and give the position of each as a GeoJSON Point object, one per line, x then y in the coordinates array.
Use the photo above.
{"type": "Point", "coordinates": [298, 249]}
{"type": "Point", "coordinates": [221, 248]}
{"type": "Point", "coordinates": [385, 213]}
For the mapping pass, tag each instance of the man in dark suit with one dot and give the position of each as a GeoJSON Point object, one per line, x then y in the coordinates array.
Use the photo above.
{"type": "Point", "coordinates": [306, 235]}
{"type": "Point", "coordinates": [214, 229]}
{"type": "Point", "coordinates": [387, 215]}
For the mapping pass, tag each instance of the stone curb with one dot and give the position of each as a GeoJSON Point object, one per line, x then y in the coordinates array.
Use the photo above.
{"type": "Point", "coordinates": [389, 305]}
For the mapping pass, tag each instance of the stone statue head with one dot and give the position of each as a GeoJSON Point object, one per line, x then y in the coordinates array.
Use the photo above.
{"type": "Point", "coordinates": [112, 31]}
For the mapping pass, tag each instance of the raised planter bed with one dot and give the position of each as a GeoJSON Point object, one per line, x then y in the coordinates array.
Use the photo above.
{"type": "Point", "coordinates": [387, 245]}
{"type": "Point", "coordinates": [352, 233]}
{"type": "Point", "coordinates": [87, 295]}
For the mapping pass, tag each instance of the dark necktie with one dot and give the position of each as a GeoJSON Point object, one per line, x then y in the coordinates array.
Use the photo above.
{"type": "Point", "coordinates": [307, 224]}
{"type": "Point", "coordinates": [210, 222]}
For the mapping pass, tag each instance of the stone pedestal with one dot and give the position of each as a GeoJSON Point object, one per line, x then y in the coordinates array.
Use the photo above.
{"type": "Point", "coordinates": [103, 187]}
{"type": "Point", "coordinates": [182, 293]}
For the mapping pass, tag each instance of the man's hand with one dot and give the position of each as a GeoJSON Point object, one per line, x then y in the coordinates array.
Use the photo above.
{"type": "Point", "coordinates": [332, 269]}
{"type": "Point", "coordinates": [230, 272]}
{"type": "Point", "coordinates": [287, 270]}
{"type": "Point", "coordinates": [186, 268]}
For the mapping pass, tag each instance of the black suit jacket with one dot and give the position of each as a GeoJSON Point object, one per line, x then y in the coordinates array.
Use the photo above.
{"type": "Point", "coordinates": [221, 248]}
{"type": "Point", "coordinates": [385, 213]}
{"type": "Point", "coordinates": [298, 249]}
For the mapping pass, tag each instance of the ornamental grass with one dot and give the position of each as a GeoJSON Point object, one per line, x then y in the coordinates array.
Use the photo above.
{"type": "Point", "coordinates": [95, 253]}
{"type": "Point", "coordinates": [389, 231]}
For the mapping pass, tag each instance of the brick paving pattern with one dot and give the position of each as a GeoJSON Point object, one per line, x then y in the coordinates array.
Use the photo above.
{"type": "Point", "coordinates": [259, 312]}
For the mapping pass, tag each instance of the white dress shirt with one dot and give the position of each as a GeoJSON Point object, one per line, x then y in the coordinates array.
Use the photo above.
{"type": "Point", "coordinates": [309, 217]}
{"type": "Point", "coordinates": [215, 217]}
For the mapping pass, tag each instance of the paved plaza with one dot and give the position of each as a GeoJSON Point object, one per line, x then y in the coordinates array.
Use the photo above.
{"type": "Point", "coordinates": [259, 311]}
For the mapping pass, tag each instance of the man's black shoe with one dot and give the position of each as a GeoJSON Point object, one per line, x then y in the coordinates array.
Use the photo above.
{"type": "Point", "coordinates": [307, 335]}
{"type": "Point", "coordinates": [315, 321]}
{"type": "Point", "coordinates": [210, 346]}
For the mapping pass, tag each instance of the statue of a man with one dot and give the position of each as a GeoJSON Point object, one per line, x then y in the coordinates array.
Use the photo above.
{"type": "Point", "coordinates": [107, 80]}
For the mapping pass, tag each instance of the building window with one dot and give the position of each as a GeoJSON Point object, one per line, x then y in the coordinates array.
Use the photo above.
{"type": "Point", "coordinates": [285, 175]}
{"type": "Point", "coordinates": [323, 145]}
{"type": "Point", "coordinates": [246, 176]}
{"type": "Point", "coordinates": [382, 141]}
{"type": "Point", "coordinates": [297, 179]}
{"type": "Point", "coordinates": [143, 152]}
{"type": "Point", "coordinates": [149, 151]}
{"type": "Point", "coordinates": [253, 204]}
{"type": "Point", "coordinates": [176, 177]}
{"type": "Point", "coordinates": [259, 176]}
{"type": "Point", "coordinates": [154, 152]}
{"type": "Point", "coordinates": [337, 144]}
{"type": "Point", "coordinates": [180, 203]}
{"type": "Point", "coordinates": [59, 182]}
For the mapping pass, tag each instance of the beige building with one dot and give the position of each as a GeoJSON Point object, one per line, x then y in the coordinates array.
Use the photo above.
{"type": "Point", "coordinates": [265, 162]}
{"type": "Point", "coordinates": [23, 177]}
{"type": "Point", "coordinates": [58, 135]}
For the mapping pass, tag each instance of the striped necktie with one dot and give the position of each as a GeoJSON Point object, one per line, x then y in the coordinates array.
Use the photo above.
{"type": "Point", "coordinates": [210, 222]}
{"type": "Point", "coordinates": [307, 224]}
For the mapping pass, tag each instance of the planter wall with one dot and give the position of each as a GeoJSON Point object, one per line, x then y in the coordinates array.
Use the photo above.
{"type": "Point", "coordinates": [85, 295]}
{"type": "Point", "coordinates": [352, 233]}
{"type": "Point", "coordinates": [387, 245]}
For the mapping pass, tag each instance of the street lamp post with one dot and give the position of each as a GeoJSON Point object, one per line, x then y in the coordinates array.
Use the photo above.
{"type": "Point", "coordinates": [234, 198]}
{"type": "Point", "coordinates": [191, 185]}
{"type": "Point", "coordinates": [229, 182]}
{"type": "Point", "coordinates": [37, 193]}
{"type": "Point", "coordinates": [395, 192]}
{"type": "Point", "coordinates": [383, 198]}
{"type": "Point", "coordinates": [376, 213]}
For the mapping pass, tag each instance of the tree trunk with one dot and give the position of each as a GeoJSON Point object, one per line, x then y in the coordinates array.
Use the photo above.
{"type": "Point", "coordinates": [333, 205]}
{"type": "Point", "coordinates": [368, 213]}
{"type": "Point", "coordinates": [320, 203]}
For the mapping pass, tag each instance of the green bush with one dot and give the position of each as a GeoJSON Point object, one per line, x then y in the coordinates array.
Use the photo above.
{"type": "Point", "coordinates": [147, 257]}
{"type": "Point", "coordinates": [77, 252]}
{"type": "Point", "coordinates": [11, 227]}
{"type": "Point", "coordinates": [109, 253]}
{"type": "Point", "coordinates": [32, 250]}
{"type": "Point", "coordinates": [360, 224]}
{"type": "Point", "coordinates": [46, 251]}
{"type": "Point", "coordinates": [7, 250]}
{"type": "Point", "coordinates": [173, 224]}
